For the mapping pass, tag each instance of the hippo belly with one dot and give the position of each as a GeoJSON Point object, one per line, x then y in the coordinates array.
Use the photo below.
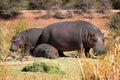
{"type": "Point", "coordinates": [64, 38]}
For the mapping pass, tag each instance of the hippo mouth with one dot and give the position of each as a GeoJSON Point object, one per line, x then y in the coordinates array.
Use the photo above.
{"type": "Point", "coordinates": [98, 53]}
{"type": "Point", "coordinates": [95, 54]}
{"type": "Point", "coordinates": [98, 50]}
{"type": "Point", "coordinates": [13, 50]}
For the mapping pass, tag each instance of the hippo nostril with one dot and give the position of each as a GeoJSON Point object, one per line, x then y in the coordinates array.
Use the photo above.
{"type": "Point", "coordinates": [10, 49]}
{"type": "Point", "coordinates": [103, 51]}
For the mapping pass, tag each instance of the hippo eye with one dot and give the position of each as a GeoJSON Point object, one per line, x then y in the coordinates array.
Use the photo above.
{"type": "Point", "coordinates": [13, 41]}
{"type": "Point", "coordinates": [94, 39]}
{"type": "Point", "coordinates": [103, 40]}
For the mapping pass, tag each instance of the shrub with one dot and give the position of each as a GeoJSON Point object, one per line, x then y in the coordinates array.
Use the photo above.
{"type": "Point", "coordinates": [116, 4]}
{"type": "Point", "coordinates": [43, 67]}
{"type": "Point", "coordinates": [21, 26]}
{"type": "Point", "coordinates": [65, 1]}
{"type": "Point", "coordinates": [9, 7]}
{"type": "Point", "coordinates": [86, 5]}
{"type": "Point", "coordinates": [36, 4]}
{"type": "Point", "coordinates": [44, 4]}
{"type": "Point", "coordinates": [114, 24]}
{"type": "Point", "coordinates": [104, 6]}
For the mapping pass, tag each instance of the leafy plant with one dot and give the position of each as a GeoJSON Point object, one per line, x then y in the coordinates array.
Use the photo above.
{"type": "Point", "coordinates": [43, 67]}
{"type": "Point", "coordinates": [114, 24]}
{"type": "Point", "coordinates": [116, 4]}
{"type": "Point", "coordinates": [9, 8]}
{"type": "Point", "coordinates": [44, 4]}
{"type": "Point", "coordinates": [21, 26]}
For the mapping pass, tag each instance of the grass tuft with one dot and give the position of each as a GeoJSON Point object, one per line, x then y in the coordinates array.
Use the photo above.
{"type": "Point", "coordinates": [43, 67]}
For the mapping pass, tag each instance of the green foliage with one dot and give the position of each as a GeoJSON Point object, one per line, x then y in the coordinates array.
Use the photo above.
{"type": "Point", "coordinates": [104, 6]}
{"type": "Point", "coordinates": [65, 1]}
{"type": "Point", "coordinates": [9, 8]}
{"type": "Point", "coordinates": [12, 5]}
{"type": "Point", "coordinates": [114, 24]}
{"type": "Point", "coordinates": [116, 4]}
{"type": "Point", "coordinates": [35, 67]}
{"type": "Point", "coordinates": [21, 26]}
{"type": "Point", "coordinates": [43, 67]}
{"type": "Point", "coordinates": [44, 4]}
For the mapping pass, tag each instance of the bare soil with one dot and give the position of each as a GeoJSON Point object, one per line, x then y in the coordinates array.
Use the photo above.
{"type": "Point", "coordinates": [32, 18]}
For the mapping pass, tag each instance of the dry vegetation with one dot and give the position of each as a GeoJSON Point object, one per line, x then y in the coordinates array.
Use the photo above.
{"type": "Point", "coordinates": [105, 68]}
{"type": "Point", "coordinates": [74, 69]}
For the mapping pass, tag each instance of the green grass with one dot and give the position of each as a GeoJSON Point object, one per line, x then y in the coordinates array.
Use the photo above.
{"type": "Point", "coordinates": [43, 67]}
{"type": "Point", "coordinates": [61, 67]}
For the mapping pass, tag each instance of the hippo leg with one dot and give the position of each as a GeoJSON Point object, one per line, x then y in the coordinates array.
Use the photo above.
{"type": "Point", "coordinates": [87, 52]}
{"type": "Point", "coordinates": [81, 53]}
{"type": "Point", "coordinates": [27, 50]}
{"type": "Point", "coordinates": [61, 54]}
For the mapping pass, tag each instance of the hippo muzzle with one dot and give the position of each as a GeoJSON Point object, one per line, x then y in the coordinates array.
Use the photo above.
{"type": "Point", "coordinates": [13, 48]}
{"type": "Point", "coordinates": [99, 48]}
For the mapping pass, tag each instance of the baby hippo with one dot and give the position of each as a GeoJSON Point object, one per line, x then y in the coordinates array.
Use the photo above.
{"type": "Point", "coordinates": [46, 50]}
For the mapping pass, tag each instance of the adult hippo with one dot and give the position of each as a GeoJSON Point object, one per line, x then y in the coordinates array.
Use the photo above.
{"type": "Point", "coordinates": [76, 35]}
{"type": "Point", "coordinates": [46, 50]}
{"type": "Point", "coordinates": [26, 39]}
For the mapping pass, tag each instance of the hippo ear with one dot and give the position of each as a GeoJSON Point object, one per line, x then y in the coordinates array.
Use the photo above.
{"type": "Point", "coordinates": [106, 38]}
{"type": "Point", "coordinates": [103, 34]}
{"type": "Point", "coordinates": [41, 31]}
{"type": "Point", "coordinates": [20, 37]}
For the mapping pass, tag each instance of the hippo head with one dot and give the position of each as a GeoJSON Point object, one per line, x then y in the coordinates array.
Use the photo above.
{"type": "Point", "coordinates": [96, 41]}
{"type": "Point", "coordinates": [17, 42]}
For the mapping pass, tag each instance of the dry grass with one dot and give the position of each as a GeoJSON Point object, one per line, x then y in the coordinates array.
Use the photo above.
{"type": "Point", "coordinates": [5, 36]}
{"type": "Point", "coordinates": [103, 69]}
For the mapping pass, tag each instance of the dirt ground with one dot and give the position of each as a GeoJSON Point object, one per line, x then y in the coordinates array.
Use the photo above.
{"type": "Point", "coordinates": [31, 17]}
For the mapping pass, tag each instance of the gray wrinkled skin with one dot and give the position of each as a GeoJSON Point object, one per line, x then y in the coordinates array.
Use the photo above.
{"type": "Point", "coordinates": [74, 35]}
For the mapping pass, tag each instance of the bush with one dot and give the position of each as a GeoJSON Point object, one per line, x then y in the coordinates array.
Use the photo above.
{"type": "Point", "coordinates": [21, 26]}
{"type": "Point", "coordinates": [43, 67]}
{"type": "Point", "coordinates": [114, 24]}
{"type": "Point", "coordinates": [9, 7]}
{"type": "Point", "coordinates": [36, 4]}
{"type": "Point", "coordinates": [44, 4]}
{"type": "Point", "coordinates": [86, 5]}
{"type": "Point", "coordinates": [116, 4]}
{"type": "Point", "coordinates": [104, 6]}
{"type": "Point", "coordinates": [65, 1]}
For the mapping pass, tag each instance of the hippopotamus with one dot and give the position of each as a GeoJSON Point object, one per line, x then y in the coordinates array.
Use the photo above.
{"type": "Point", "coordinates": [46, 50]}
{"type": "Point", "coordinates": [26, 39]}
{"type": "Point", "coordinates": [74, 35]}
